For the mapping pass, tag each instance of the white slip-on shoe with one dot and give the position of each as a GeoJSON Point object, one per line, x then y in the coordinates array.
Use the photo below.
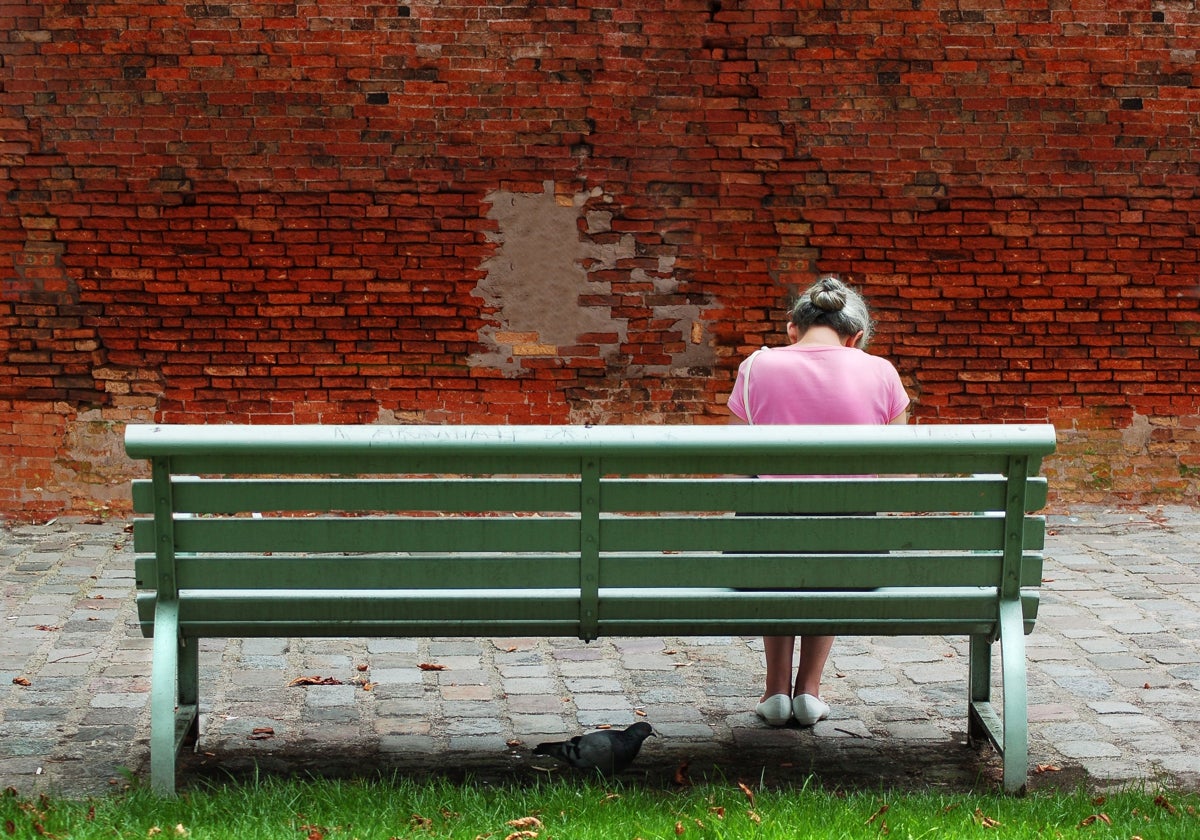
{"type": "Point", "coordinates": [809, 709]}
{"type": "Point", "coordinates": [775, 710]}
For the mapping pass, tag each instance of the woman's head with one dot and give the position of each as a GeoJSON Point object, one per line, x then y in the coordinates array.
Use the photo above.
{"type": "Point", "coordinates": [831, 303]}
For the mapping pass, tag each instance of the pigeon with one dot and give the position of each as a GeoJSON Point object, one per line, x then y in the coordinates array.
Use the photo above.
{"type": "Point", "coordinates": [608, 751]}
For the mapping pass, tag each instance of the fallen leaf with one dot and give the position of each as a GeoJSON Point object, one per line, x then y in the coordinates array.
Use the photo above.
{"type": "Point", "coordinates": [361, 668]}
{"type": "Point", "coordinates": [429, 666]}
{"type": "Point", "coordinates": [746, 790]}
{"type": "Point", "coordinates": [679, 829]}
{"type": "Point", "coordinates": [526, 822]}
{"type": "Point", "coordinates": [753, 817]}
{"type": "Point", "coordinates": [318, 680]}
{"type": "Point", "coordinates": [154, 831]}
{"type": "Point", "coordinates": [669, 652]}
{"type": "Point", "coordinates": [717, 811]}
{"type": "Point", "coordinates": [883, 809]}
{"type": "Point", "coordinates": [22, 681]}
{"type": "Point", "coordinates": [261, 733]}
{"type": "Point", "coordinates": [180, 831]}
{"type": "Point", "coordinates": [681, 775]}
{"type": "Point", "coordinates": [48, 628]}
{"type": "Point", "coordinates": [418, 821]}
{"type": "Point", "coordinates": [1047, 768]}
{"type": "Point", "coordinates": [1162, 802]}
{"type": "Point", "coordinates": [521, 835]}
{"type": "Point", "coordinates": [1104, 818]}
{"type": "Point", "coordinates": [605, 726]}
{"type": "Point", "coordinates": [986, 822]}
{"type": "Point", "coordinates": [640, 712]}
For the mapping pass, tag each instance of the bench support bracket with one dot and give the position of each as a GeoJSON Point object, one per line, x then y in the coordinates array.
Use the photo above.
{"type": "Point", "coordinates": [1010, 735]}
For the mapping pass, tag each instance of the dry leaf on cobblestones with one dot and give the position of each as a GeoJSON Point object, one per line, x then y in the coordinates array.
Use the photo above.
{"type": "Point", "coordinates": [22, 681]}
{"type": "Point", "coordinates": [429, 666]}
{"type": "Point", "coordinates": [261, 733]}
{"type": "Point", "coordinates": [1047, 768]}
{"type": "Point", "coordinates": [48, 628]}
{"type": "Point", "coordinates": [315, 681]}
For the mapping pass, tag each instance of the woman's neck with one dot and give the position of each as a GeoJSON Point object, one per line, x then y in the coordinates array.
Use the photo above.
{"type": "Point", "coordinates": [820, 334]}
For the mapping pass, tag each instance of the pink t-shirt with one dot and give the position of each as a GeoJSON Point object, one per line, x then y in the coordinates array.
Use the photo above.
{"type": "Point", "coordinates": [815, 384]}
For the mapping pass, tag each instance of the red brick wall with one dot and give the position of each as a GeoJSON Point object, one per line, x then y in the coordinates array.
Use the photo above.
{"type": "Point", "coordinates": [462, 211]}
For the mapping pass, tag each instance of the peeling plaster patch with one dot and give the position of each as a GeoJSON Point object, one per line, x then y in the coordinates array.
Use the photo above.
{"type": "Point", "coordinates": [542, 284]}
{"type": "Point", "coordinates": [537, 277]}
{"type": "Point", "coordinates": [1136, 436]}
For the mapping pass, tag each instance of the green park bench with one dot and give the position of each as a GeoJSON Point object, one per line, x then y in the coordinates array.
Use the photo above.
{"type": "Point", "coordinates": [589, 531]}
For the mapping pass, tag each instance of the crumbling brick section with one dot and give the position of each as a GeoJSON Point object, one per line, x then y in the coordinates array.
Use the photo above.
{"type": "Point", "coordinates": [468, 211]}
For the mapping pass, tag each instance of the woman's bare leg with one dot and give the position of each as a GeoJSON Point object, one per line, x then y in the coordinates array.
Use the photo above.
{"type": "Point", "coordinates": [779, 651]}
{"type": "Point", "coordinates": [814, 651]}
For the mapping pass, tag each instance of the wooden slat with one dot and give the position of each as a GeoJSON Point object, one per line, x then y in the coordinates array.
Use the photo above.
{"type": "Point", "coordinates": [542, 494]}
{"type": "Point", "coordinates": [813, 571]}
{"type": "Point", "coordinates": [925, 494]}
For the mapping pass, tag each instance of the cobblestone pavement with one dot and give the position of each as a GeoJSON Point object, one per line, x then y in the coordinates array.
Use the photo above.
{"type": "Point", "coordinates": [1114, 668]}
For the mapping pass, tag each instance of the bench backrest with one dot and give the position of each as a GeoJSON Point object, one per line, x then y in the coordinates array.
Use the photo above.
{"type": "Point", "coordinates": [573, 530]}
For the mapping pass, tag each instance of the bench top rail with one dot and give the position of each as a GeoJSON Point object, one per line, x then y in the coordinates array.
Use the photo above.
{"type": "Point", "coordinates": [558, 449]}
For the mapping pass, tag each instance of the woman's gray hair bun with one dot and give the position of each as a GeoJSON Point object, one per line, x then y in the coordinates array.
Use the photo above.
{"type": "Point", "coordinates": [829, 295]}
{"type": "Point", "coordinates": [830, 302]}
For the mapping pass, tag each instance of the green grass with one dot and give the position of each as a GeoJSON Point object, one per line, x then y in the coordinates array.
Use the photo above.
{"type": "Point", "coordinates": [573, 809]}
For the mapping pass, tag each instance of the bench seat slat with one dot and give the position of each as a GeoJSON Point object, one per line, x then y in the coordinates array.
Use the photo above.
{"type": "Point", "coordinates": [799, 533]}
{"type": "Point", "coordinates": [880, 493]}
{"type": "Point", "coordinates": [816, 571]}
{"type": "Point", "coordinates": [549, 494]}
{"type": "Point", "coordinates": [693, 611]}
{"type": "Point", "coordinates": [228, 495]}
{"type": "Point", "coordinates": [368, 534]}
{"type": "Point", "coordinates": [511, 571]}
{"type": "Point", "coordinates": [377, 571]}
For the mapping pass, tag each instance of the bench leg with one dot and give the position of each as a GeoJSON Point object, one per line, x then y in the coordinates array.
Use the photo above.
{"type": "Point", "coordinates": [1016, 710]}
{"type": "Point", "coordinates": [174, 686]}
{"type": "Point", "coordinates": [980, 715]}
{"type": "Point", "coordinates": [1009, 735]}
